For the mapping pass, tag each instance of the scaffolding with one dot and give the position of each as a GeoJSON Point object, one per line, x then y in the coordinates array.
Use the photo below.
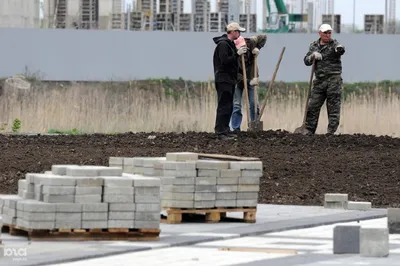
{"type": "Point", "coordinates": [117, 14]}
{"type": "Point", "coordinates": [59, 15]}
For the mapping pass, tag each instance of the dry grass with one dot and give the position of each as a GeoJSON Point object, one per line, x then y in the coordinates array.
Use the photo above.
{"type": "Point", "coordinates": [94, 109]}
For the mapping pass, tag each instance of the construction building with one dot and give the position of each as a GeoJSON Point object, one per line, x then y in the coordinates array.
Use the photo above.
{"type": "Point", "coordinates": [19, 14]}
{"type": "Point", "coordinates": [374, 24]}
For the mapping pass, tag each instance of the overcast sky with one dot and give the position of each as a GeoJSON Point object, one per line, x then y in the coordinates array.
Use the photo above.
{"type": "Point", "coordinates": [343, 7]}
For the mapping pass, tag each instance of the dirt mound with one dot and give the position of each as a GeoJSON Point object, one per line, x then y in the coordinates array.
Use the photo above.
{"type": "Point", "coordinates": [297, 169]}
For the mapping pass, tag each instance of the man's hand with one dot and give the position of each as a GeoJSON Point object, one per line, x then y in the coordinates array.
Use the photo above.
{"type": "Point", "coordinates": [315, 55]}
{"type": "Point", "coordinates": [256, 51]}
{"type": "Point", "coordinates": [339, 49]}
{"type": "Point", "coordinates": [254, 82]}
{"type": "Point", "coordinates": [242, 50]}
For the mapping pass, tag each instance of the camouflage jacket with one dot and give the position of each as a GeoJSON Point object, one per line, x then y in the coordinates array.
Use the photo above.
{"type": "Point", "coordinates": [257, 41]}
{"type": "Point", "coordinates": [331, 61]}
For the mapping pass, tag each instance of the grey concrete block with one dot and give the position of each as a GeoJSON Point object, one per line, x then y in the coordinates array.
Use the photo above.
{"type": "Point", "coordinates": [28, 195]}
{"type": "Point", "coordinates": [151, 161]}
{"type": "Point", "coordinates": [126, 161]}
{"type": "Point", "coordinates": [20, 222]}
{"type": "Point", "coordinates": [227, 180]}
{"type": "Point", "coordinates": [30, 177]}
{"type": "Point", "coordinates": [346, 239]}
{"type": "Point", "coordinates": [230, 173]}
{"type": "Point", "coordinates": [147, 224]}
{"type": "Point", "coordinates": [177, 188]}
{"type": "Point", "coordinates": [336, 205]}
{"type": "Point", "coordinates": [61, 169]}
{"type": "Point", "coordinates": [138, 161]}
{"type": "Point", "coordinates": [177, 203]}
{"type": "Point", "coordinates": [208, 173]}
{"type": "Point", "coordinates": [253, 165]}
{"type": "Point", "coordinates": [115, 181]}
{"type": "Point", "coordinates": [182, 156]}
{"type": "Point", "coordinates": [10, 200]}
{"type": "Point", "coordinates": [203, 196]}
{"type": "Point", "coordinates": [88, 190]}
{"type": "Point", "coordinates": [95, 207]}
{"type": "Point", "coordinates": [22, 184]}
{"type": "Point", "coordinates": [185, 166]}
{"type": "Point", "coordinates": [336, 197]}
{"type": "Point", "coordinates": [227, 188]}
{"type": "Point", "coordinates": [144, 181]}
{"type": "Point", "coordinates": [116, 161]}
{"type": "Point", "coordinates": [359, 205]}
{"type": "Point", "coordinates": [68, 224]}
{"type": "Point", "coordinates": [248, 188]}
{"type": "Point", "coordinates": [249, 180]}
{"type": "Point", "coordinates": [247, 195]}
{"type": "Point", "coordinates": [83, 181]}
{"type": "Point", "coordinates": [110, 171]}
{"type": "Point", "coordinates": [212, 164]}
{"type": "Point", "coordinates": [225, 196]}
{"type": "Point", "coordinates": [121, 224]}
{"type": "Point", "coordinates": [252, 173]}
{"type": "Point", "coordinates": [128, 170]}
{"type": "Point", "coordinates": [122, 207]}
{"type": "Point", "coordinates": [38, 216]}
{"type": "Point", "coordinates": [58, 190]}
{"type": "Point", "coordinates": [94, 224]}
{"type": "Point", "coordinates": [112, 215]}
{"type": "Point", "coordinates": [393, 220]}
{"type": "Point", "coordinates": [204, 204]}
{"type": "Point", "coordinates": [68, 207]}
{"type": "Point", "coordinates": [118, 198]}
{"type": "Point", "coordinates": [205, 180]}
{"type": "Point", "coordinates": [58, 198]}
{"type": "Point", "coordinates": [119, 191]}
{"type": "Point", "coordinates": [21, 193]}
{"type": "Point", "coordinates": [205, 188]}
{"type": "Point", "coordinates": [147, 216]}
{"type": "Point", "coordinates": [150, 207]}
{"type": "Point", "coordinates": [178, 181]}
{"type": "Point", "coordinates": [246, 203]}
{"type": "Point", "coordinates": [80, 170]}
{"type": "Point", "coordinates": [165, 165]}
{"type": "Point", "coordinates": [68, 216]}
{"type": "Point", "coordinates": [147, 191]}
{"type": "Point", "coordinates": [54, 180]}
{"type": "Point", "coordinates": [88, 198]}
{"type": "Point", "coordinates": [48, 225]}
{"type": "Point", "coordinates": [169, 172]}
{"type": "Point", "coordinates": [94, 216]}
{"type": "Point", "coordinates": [177, 196]}
{"type": "Point", "coordinates": [147, 199]}
{"type": "Point", "coordinates": [374, 242]}
{"type": "Point", "coordinates": [185, 173]}
{"type": "Point", "coordinates": [37, 206]}
{"type": "Point", "coordinates": [225, 203]}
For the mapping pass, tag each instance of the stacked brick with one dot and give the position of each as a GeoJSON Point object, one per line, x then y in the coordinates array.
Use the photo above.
{"type": "Point", "coordinates": [84, 197]}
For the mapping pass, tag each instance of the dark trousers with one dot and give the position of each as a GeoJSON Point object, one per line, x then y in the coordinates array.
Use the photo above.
{"type": "Point", "coordinates": [225, 93]}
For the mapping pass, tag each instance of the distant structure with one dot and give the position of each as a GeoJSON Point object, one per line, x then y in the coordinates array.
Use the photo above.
{"type": "Point", "coordinates": [19, 14]}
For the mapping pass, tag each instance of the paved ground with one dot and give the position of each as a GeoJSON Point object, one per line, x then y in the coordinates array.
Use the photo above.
{"type": "Point", "coordinates": [192, 243]}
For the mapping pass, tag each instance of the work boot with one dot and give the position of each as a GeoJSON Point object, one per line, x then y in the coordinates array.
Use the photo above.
{"type": "Point", "coordinates": [225, 136]}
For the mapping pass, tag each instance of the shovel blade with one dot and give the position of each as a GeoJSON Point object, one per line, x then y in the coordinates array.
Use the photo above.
{"type": "Point", "coordinates": [255, 126]}
{"type": "Point", "coordinates": [301, 130]}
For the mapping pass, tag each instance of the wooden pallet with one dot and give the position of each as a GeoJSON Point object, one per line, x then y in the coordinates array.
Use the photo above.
{"type": "Point", "coordinates": [148, 234]}
{"type": "Point", "coordinates": [212, 215]}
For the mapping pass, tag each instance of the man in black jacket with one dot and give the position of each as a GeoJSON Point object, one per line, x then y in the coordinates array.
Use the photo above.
{"type": "Point", "coordinates": [226, 69]}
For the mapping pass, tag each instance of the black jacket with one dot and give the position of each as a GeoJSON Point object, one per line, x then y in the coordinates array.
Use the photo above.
{"type": "Point", "coordinates": [226, 60]}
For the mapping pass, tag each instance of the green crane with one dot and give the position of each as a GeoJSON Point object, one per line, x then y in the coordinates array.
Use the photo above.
{"type": "Point", "coordinates": [281, 21]}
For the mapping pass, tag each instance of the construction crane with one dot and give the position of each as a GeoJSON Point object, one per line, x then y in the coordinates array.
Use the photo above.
{"type": "Point", "coordinates": [282, 21]}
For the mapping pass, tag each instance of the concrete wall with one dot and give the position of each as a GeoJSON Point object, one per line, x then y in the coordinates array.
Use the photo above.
{"type": "Point", "coordinates": [121, 55]}
{"type": "Point", "coordinates": [19, 14]}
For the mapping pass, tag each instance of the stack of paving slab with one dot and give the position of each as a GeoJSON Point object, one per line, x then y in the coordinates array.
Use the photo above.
{"type": "Point", "coordinates": [83, 197]}
{"type": "Point", "coordinates": [341, 201]}
{"type": "Point", "coordinates": [190, 182]}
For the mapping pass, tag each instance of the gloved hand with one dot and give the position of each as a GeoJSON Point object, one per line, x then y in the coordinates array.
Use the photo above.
{"type": "Point", "coordinates": [242, 50]}
{"type": "Point", "coordinates": [339, 49]}
{"type": "Point", "coordinates": [254, 82]}
{"type": "Point", "coordinates": [256, 51]}
{"type": "Point", "coordinates": [315, 55]}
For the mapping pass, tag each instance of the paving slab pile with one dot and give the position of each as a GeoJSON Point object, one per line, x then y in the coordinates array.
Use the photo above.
{"type": "Point", "coordinates": [83, 197]}
{"type": "Point", "coordinates": [341, 201]}
{"type": "Point", "coordinates": [190, 182]}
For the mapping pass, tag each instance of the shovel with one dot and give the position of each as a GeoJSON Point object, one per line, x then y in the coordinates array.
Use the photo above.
{"type": "Point", "coordinates": [302, 129]}
{"type": "Point", "coordinates": [255, 125]}
{"type": "Point", "coordinates": [246, 95]}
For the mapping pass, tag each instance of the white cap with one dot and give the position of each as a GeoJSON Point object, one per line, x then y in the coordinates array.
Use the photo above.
{"type": "Point", "coordinates": [234, 26]}
{"type": "Point", "coordinates": [325, 27]}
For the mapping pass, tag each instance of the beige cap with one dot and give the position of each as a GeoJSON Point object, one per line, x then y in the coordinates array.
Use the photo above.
{"type": "Point", "coordinates": [325, 27]}
{"type": "Point", "coordinates": [234, 26]}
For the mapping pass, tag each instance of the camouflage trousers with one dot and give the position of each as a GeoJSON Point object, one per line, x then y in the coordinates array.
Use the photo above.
{"type": "Point", "coordinates": [329, 89]}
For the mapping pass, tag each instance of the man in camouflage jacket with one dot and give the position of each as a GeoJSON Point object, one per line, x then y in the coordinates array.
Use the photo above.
{"type": "Point", "coordinates": [327, 85]}
{"type": "Point", "coordinates": [254, 44]}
